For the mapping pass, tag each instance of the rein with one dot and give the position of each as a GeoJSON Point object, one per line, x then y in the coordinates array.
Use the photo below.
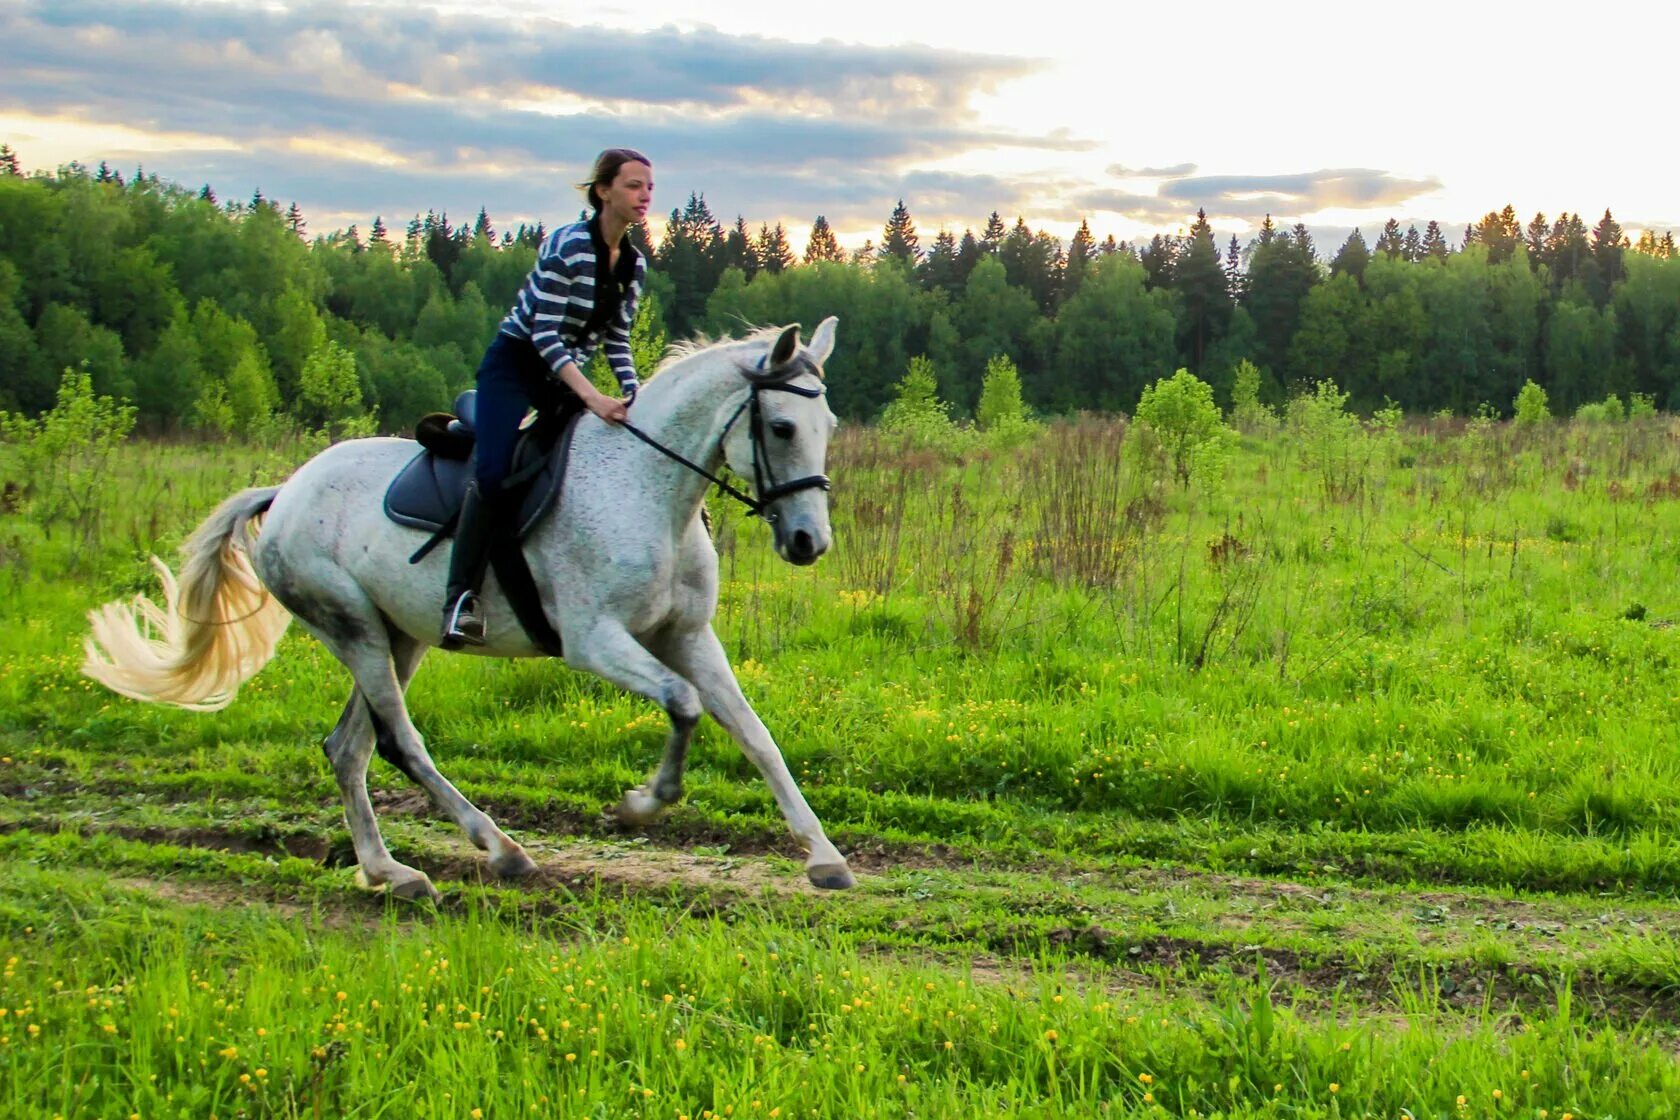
{"type": "Point", "coordinates": [764, 479]}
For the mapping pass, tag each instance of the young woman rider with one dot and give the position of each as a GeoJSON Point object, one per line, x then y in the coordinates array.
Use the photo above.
{"type": "Point", "coordinates": [581, 294]}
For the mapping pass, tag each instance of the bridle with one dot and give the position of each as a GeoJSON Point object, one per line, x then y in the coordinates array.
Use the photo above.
{"type": "Point", "coordinates": [764, 479]}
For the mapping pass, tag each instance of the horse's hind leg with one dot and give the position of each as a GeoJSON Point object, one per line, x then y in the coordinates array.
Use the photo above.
{"type": "Point", "coordinates": [348, 749]}
{"type": "Point", "coordinates": [399, 743]}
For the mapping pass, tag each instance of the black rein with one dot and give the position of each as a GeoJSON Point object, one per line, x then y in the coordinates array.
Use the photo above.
{"type": "Point", "coordinates": [764, 480]}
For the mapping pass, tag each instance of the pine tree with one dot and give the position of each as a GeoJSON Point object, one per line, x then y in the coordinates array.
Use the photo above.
{"type": "Point", "coordinates": [9, 161]}
{"type": "Point", "coordinates": [205, 194]}
{"type": "Point", "coordinates": [772, 248]}
{"type": "Point", "coordinates": [1435, 242]}
{"type": "Point", "coordinates": [294, 220]}
{"type": "Point", "coordinates": [738, 249]}
{"type": "Point", "coordinates": [822, 246]}
{"type": "Point", "coordinates": [1535, 240]}
{"type": "Point", "coordinates": [1109, 246]}
{"type": "Point", "coordinates": [1267, 232]}
{"type": "Point", "coordinates": [257, 200]}
{"type": "Point", "coordinates": [968, 255]}
{"type": "Point", "coordinates": [865, 256]}
{"type": "Point", "coordinates": [1233, 270]}
{"type": "Point", "coordinates": [1500, 232]}
{"type": "Point", "coordinates": [1157, 258]}
{"type": "Point", "coordinates": [938, 270]}
{"type": "Point", "coordinates": [898, 239]}
{"type": "Point", "coordinates": [1082, 250]}
{"type": "Point", "coordinates": [378, 236]}
{"type": "Point", "coordinates": [354, 236]}
{"type": "Point", "coordinates": [991, 238]}
{"type": "Point", "coordinates": [482, 227]}
{"type": "Point", "coordinates": [1665, 248]}
{"type": "Point", "coordinates": [1608, 242]}
{"type": "Point", "coordinates": [106, 175]}
{"type": "Point", "coordinates": [1198, 277]}
{"type": "Point", "coordinates": [1352, 257]}
{"type": "Point", "coordinates": [1413, 252]}
{"type": "Point", "coordinates": [1391, 242]}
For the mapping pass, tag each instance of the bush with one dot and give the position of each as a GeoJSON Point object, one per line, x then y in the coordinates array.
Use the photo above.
{"type": "Point", "coordinates": [1001, 414]}
{"type": "Point", "coordinates": [1332, 441]}
{"type": "Point", "coordinates": [1607, 411]}
{"type": "Point", "coordinates": [1247, 413]}
{"type": "Point", "coordinates": [1530, 405]}
{"type": "Point", "coordinates": [916, 410]}
{"type": "Point", "coordinates": [1642, 406]}
{"type": "Point", "coordinates": [61, 462]}
{"type": "Point", "coordinates": [1180, 424]}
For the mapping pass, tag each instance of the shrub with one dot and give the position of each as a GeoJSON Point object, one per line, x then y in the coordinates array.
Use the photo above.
{"type": "Point", "coordinates": [1607, 411]}
{"type": "Point", "coordinates": [1531, 405]}
{"type": "Point", "coordinates": [1180, 424]}
{"type": "Point", "coordinates": [916, 410]}
{"type": "Point", "coordinates": [1332, 441]}
{"type": "Point", "coordinates": [1247, 413]}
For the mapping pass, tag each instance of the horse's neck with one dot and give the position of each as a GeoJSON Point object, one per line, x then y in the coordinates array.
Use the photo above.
{"type": "Point", "coordinates": [686, 411]}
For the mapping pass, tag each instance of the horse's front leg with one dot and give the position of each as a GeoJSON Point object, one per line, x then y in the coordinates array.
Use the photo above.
{"type": "Point", "coordinates": [611, 652]}
{"type": "Point", "coordinates": [699, 656]}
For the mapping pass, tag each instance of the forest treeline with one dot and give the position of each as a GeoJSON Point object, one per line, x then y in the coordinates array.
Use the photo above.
{"type": "Point", "coordinates": [226, 315]}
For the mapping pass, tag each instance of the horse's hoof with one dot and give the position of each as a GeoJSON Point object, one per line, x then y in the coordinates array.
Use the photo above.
{"type": "Point", "coordinates": [831, 876]}
{"type": "Point", "coordinates": [415, 890]}
{"type": "Point", "coordinates": [639, 807]}
{"type": "Point", "coordinates": [514, 864]}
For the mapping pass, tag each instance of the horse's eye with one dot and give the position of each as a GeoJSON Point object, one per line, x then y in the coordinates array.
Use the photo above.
{"type": "Point", "coordinates": [782, 428]}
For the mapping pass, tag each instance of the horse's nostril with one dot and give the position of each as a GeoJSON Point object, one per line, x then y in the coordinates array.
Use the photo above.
{"type": "Point", "coordinates": [803, 545]}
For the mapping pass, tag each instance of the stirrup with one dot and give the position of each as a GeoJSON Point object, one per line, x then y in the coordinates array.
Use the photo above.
{"type": "Point", "coordinates": [463, 623]}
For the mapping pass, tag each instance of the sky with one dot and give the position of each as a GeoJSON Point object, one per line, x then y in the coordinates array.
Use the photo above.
{"type": "Point", "coordinates": [1131, 118]}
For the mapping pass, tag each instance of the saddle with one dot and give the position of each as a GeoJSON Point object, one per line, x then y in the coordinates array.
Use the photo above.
{"type": "Point", "coordinates": [428, 492]}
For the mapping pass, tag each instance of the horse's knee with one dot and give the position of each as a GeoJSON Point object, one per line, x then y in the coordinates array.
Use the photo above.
{"type": "Point", "coordinates": [391, 749]}
{"type": "Point", "coordinates": [682, 703]}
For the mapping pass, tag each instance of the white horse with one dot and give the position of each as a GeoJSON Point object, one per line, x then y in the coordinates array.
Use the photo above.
{"type": "Point", "coordinates": [626, 570]}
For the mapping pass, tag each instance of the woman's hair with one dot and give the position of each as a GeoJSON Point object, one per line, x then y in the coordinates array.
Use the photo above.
{"type": "Point", "coordinates": [606, 170]}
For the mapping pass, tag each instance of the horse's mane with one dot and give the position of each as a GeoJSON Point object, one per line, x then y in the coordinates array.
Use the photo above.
{"type": "Point", "coordinates": [688, 347]}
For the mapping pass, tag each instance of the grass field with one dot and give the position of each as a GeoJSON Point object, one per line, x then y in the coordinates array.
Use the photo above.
{"type": "Point", "coordinates": [1346, 785]}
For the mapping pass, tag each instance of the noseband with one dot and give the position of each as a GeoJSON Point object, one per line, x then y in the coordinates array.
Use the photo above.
{"type": "Point", "coordinates": [764, 479]}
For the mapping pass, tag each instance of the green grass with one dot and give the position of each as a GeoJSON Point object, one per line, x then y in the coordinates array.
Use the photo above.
{"type": "Point", "coordinates": [1413, 750]}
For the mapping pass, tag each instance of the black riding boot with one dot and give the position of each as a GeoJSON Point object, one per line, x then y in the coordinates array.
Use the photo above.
{"type": "Point", "coordinates": [463, 613]}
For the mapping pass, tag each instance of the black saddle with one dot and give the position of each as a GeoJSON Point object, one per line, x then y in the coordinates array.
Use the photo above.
{"type": "Point", "coordinates": [427, 493]}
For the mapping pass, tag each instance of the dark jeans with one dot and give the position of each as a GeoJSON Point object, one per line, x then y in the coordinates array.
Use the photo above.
{"type": "Point", "coordinates": [512, 379]}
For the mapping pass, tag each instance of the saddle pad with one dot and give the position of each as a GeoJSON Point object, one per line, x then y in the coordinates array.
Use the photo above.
{"type": "Point", "coordinates": [427, 492]}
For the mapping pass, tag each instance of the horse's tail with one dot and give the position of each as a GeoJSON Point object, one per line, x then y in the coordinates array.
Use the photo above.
{"type": "Point", "coordinates": [215, 630]}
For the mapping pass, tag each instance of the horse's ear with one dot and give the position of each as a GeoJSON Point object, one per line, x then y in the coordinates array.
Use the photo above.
{"type": "Point", "coordinates": [822, 342]}
{"type": "Point", "coordinates": [786, 347]}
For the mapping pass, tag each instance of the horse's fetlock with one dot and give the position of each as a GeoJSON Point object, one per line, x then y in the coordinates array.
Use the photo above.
{"type": "Point", "coordinates": [682, 704]}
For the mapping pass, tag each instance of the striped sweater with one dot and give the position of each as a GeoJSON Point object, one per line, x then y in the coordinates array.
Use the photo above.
{"type": "Point", "coordinates": [566, 307]}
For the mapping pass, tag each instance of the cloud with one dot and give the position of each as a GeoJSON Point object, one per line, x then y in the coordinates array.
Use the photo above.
{"type": "Point", "coordinates": [410, 99]}
{"type": "Point", "coordinates": [1176, 171]}
{"type": "Point", "coordinates": [1248, 198]}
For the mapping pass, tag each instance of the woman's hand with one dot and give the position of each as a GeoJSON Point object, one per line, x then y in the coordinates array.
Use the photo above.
{"type": "Point", "coordinates": [611, 409]}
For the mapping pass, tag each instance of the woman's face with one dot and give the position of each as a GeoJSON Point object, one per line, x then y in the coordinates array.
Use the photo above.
{"type": "Point", "coordinates": [631, 193]}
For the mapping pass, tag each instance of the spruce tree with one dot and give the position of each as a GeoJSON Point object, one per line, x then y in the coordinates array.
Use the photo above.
{"type": "Point", "coordinates": [379, 235]}
{"type": "Point", "coordinates": [968, 255]}
{"type": "Point", "coordinates": [294, 220]}
{"type": "Point", "coordinates": [1157, 258]}
{"type": "Point", "coordinates": [1233, 270]}
{"type": "Point", "coordinates": [1392, 242]}
{"type": "Point", "coordinates": [822, 246]}
{"type": "Point", "coordinates": [1434, 242]}
{"type": "Point", "coordinates": [1535, 239]}
{"type": "Point", "coordinates": [991, 238]}
{"type": "Point", "coordinates": [1198, 276]}
{"type": "Point", "coordinates": [938, 270]}
{"type": "Point", "coordinates": [1608, 244]}
{"type": "Point", "coordinates": [773, 253]}
{"type": "Point", "coordinates": [1082, 250]}
{"type": "Point", "coordinates": [898, 239]}
{"type": "Point", "coordinates": [738, 249]}
{"type": "Point", "coordinates": [1353, 256]}
{"type": "Point", "coordinates": [482, 227]}
{"type": "Point", "coordinates": [1413, 251]}
{"type": "Point", "coordinates": [9, 161]}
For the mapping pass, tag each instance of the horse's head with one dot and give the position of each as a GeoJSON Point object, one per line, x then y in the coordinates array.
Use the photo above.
{"type": "Point", "coordinates": [782, 443]}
